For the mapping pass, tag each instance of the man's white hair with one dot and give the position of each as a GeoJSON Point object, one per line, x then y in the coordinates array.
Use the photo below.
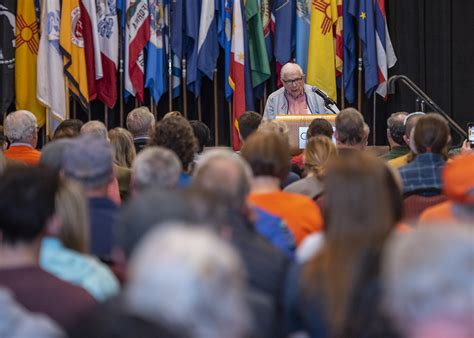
{"type": "Point", "coordinates": [184, 275]}
{"type": "Point", "coordinates": [429, 276]}
{"type": "Point", "coordinates": [20, 126]}
{"type": "Point", "coordinates": [287, 67]}
{"type": "Point", "coordinates": [96, 128]}
{"type": "Point", "coordinates": [156, 167]}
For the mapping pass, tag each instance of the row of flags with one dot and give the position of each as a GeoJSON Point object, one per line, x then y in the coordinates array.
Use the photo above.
{"type": "Point", "coordinates": [76, 46]}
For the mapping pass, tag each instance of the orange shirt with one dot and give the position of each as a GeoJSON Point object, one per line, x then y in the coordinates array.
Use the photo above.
{"type": "Point", "coordinates": [23, 153]}
{"type": "Point", "coordinates": [436, 213]}
{"type": "Point", "coordinates": [299, 212]}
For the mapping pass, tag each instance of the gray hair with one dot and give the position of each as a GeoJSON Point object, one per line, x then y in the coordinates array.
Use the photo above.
{"type": "Point", "coordinates": [287, 67]}
{"type": "Point", "coordinates": [225, 174]}
{"type": "Point", "coordinates": [184, 275]}
{"type": "Point", "coordinates": [156, 166]}
{"type": "Point", "coordinates": [20, 126]}
{"type": "Point", "coordinates": [96, 128]}
{"type": "Point", "coordinates": [52, 153]}
{"type": "Point", "coordinates": [396, 126]}
{"type": "Point", "coordinates": [428, 275]}
{"type": "Point", "coordinates": [140, 121]}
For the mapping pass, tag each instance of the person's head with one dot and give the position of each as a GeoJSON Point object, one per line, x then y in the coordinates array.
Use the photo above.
{"type": "Point", "coordinates": [95, 128]}
{"type": "Point", "coordinates": [350, 131]}
{"type": "Point", "coordinates": [226, 175]}
{"type": "Point", "coordinates": [202, 134]}
{"type": "Point", "coordinates": [89, 161]}
{"type": "Point", "coordinates": [52, 153]}
{"type": "Point", "coordinates": [176, 133]}
{"type": "Point", "coordinates": [362, 206]}
{"type": "Point", "coordinates": [431, 135]}
{"type": "Point", "coordinates": [458, 179]}
{"type": "Point", "coordinates": [396, 128]}
{"type": "Point", "coordinates": [428, 276]}
{"type": "Point", "coordinates": [21, 127]}
{"type": "Point", "coordinates": [185, 274]}
{"type": "Point", "coordinates": [275, 126]}
{"type": "Point", "coordinates": [292, 77]}
{"type": "Point", "coordinates": [27, 196]}
{"type": "Point", "coordinates": [320, 127]}
{"type": "Point", "coordinates": [318, 152]}
{"type": "Point", "coordinates": [3, 140]}
{"type": "Point", "coordinates": [248, 123]}
{"type": "Point", "coordinates": [68, 129]}
{"type": "Point", "coordinates": [155, 167]}
{"type": "Point", "coordinates": [72, 210]}
{"type": "Point", "coordinates": [268, 154]}
{"type": "Point", "coordinates": [173, 113]}
{"type": "Point", "coordinates": [409, 123]}
{"type": "Point", "coordinates": [140, 122]}
{"type": "Point", "coordinates": [123, 150]}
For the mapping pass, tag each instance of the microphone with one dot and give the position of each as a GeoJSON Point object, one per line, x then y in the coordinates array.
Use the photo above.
{"type": "Point", "coordinates": [326, 98]}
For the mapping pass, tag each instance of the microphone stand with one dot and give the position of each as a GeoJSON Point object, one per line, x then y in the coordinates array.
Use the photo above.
{"type": "Point", "coordinates": [328, 102]}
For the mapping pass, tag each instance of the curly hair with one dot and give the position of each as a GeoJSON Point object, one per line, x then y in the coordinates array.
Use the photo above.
{"type": "Point", "coordinates": [176, 134]}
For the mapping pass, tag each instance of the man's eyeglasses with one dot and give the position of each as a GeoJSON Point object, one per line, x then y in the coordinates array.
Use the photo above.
{"type": "Point", "coordinates": [292, 82]}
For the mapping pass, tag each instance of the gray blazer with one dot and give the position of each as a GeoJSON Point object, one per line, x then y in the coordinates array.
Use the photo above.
{"type": "Point", "coordinates": [277, 103]}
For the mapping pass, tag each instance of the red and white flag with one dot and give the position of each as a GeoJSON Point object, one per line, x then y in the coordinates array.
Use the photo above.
{"type": "Point", "coordinates": [237, 71]}
{"type": "Point", "coordinates": [91, 42]}
{"type": "Point", "coordinates": [108, 30]}
{"type": "Point", "coordinates": [136, 37]}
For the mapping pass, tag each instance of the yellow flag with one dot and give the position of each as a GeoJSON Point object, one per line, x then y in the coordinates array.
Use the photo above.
{"type": "Point", "coordinates": [27, 42]}
{"type": "Point", "coordinates": [321, 52]}
{"type": "Point", "coordinates": [72, 45]}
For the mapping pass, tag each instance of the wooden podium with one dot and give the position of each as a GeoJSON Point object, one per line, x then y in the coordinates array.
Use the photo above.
{"type": "Point", "coordinates": [297, 125]}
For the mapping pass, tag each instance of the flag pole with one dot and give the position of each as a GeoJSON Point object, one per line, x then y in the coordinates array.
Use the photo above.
{"type": "Point", "coordinates": [74, 109]}
{"type": "Point", "coordinates": [185, 93]}
{"type": "Point", "coordinates": [106, 116]}
{"type": "Point", "coordinates": [230, 122]}
{"type": "Point", "coordinates": [68, 103]}
{"type": "Point", "coordinates": [265, 93]}
{"type": "Point", "coordinates": [216, 124]}
{"type": "Point", "coordinates": [359, 85]}
{"type": "Point", "coordinates": [199, 108]}
{"type": "Point", "coordinates": [121, 75]}
{"type": "Point", "coordinates": [373, 119]}
{"type": "Point", "coordinates": [170, 61]}
{"type": "Point", "coordinates": [343, 103]}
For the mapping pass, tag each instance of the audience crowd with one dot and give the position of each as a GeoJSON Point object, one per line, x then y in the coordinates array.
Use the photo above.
{"type": "Point", "coordinates": [149, 232]}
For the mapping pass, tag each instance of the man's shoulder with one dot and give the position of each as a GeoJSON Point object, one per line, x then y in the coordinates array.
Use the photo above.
{"type": "Point", "coordinates": [276, 93]}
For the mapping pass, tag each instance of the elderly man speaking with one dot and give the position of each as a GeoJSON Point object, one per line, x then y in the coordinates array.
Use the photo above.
{"type": "Point", "coordinates": [296, 97]}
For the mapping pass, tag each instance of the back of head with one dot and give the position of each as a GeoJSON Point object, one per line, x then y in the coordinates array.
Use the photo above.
{"type": "Point", "coordinates": [248, 123]}
{"type": "Point", "coordinates": [410, 122]}
{"type": "Point", "coordinates": [200, 280]}
{"type": "Point", "coordinates": [20, 126]}
{"type": "Point", "coordinates": [268, 154]}
{"type": "Point", "coordinates": [68, 129]}
{"type": "Point", "coordinates": [26, 202]}
{"type": "Point", "coordinates": [318, 152]}
{"type": "Point", "coordinates": [176, 133]}
{"type": "Point", "coordinates": [95, 128]}
{"type": "Point", "coordinates": [156, 167]}
{"type": "Point", "coordinates": [431, 135]}
{"type": "Point", "coordinates": [458, 179]}
{"type": "Point", "coordinates": [123, 150]}
{"type": "Point", "coordinates": [428, 275]}
{"type": "Point", "coordinates": [275, 126]}
{"type": "Point", "coordinates": [140, 121]}
{"type": "Point", "coordinates": [395, 125]}
{"type": "Point", "coordinates": [202, 134]}
{"type": "Point", "coordinates": [72, 209]}
{"type": "Point", "coordinates": [362, 198]}
{"type": "Point", "coordinates": [350, 127]}
{"type": "Point", "coordinates": [320, 127]}
{"type": "Point", "coordinates": [226, 175]}
{"type": "Point", "coordinates": [89, 161]}
{"type": "Point", "coordinates": [52, 153]}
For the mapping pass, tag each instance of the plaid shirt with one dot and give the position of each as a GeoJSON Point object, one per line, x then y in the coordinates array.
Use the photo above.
{"type": "Point", "coordinates": [424, 172]}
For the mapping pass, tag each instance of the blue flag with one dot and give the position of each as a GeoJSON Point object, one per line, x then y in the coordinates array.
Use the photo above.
{"type": "Point", "coordinates": [350, 56]}
{"type": "Point", "coordinates": [366, 19]}
{"type": "Point", "coordinates": [224, 28]}
{"type": "Point", "coordinates": [156, 78]}
{"type": "Point", "coordinates": [284, 12]}
{"type": "Point", "coordinates": [208, 46]}
{"type": "Point", "coordinates": [191, 19]}
{"type": "Point", "coordinates": [303, 17]}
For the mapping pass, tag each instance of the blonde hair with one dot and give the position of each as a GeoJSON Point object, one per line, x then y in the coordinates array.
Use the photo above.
{"type": "Point", "coordinates": [123, 149]}
{"type": "Point", "coordinates": [71, 208]}
{"type": "Point", "coordinates": [319, 150]}
{"type": "Point", "coordinates": [275, 126]}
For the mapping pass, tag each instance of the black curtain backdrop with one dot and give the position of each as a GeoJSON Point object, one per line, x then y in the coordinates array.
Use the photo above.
{"type": "Point", "coordinates": [434, 44]}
